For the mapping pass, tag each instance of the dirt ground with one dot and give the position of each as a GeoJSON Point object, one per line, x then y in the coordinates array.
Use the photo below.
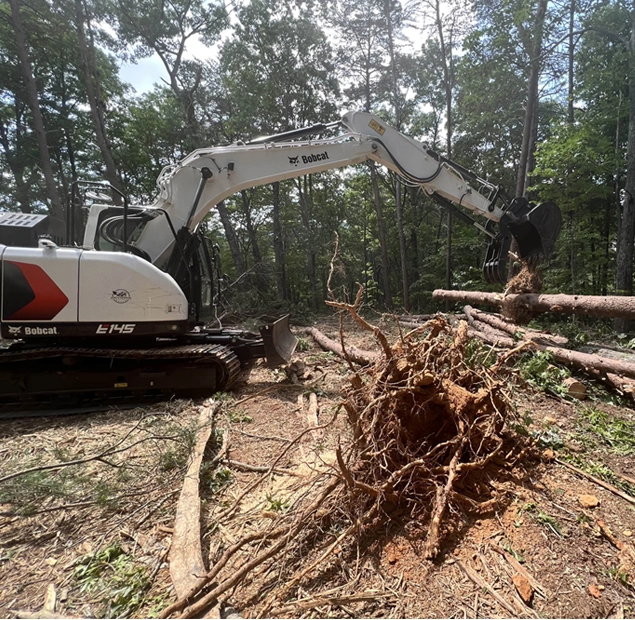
{"type": "Point", "coordinates": [90, 523]}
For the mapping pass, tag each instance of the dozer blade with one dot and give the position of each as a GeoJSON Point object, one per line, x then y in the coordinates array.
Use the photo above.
{"type": "Point", "coordinates": [278, 341]}
{"type": "Point", "coordinates": [535, 231]}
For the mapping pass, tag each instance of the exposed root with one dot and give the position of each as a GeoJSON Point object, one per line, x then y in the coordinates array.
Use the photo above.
{"type": "Point", "coordinates": [527, 280]}
{"type": "Point", "coordinates": [431, 422]}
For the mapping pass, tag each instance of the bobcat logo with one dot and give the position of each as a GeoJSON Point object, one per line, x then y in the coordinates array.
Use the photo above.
{"type": "Point", "coordinates": [120, 296]}
{"type": "Point", "coordinates": [294, 160]}
{"type": "Point", "coordinates": [15, 330]}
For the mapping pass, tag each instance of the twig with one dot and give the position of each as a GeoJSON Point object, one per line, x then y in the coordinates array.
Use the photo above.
{"type": "Point", "coordinates": [259, 469]}
{"type": "Point", "coordinates": [263, 437]}
{"type": "Point", "coordinates": [107, 452]}
{"type": "Point", "coordinates": [519, 568]}
{"type": "Point", "coordinates": [479, 581]}
{"type": "Point", "coordinates": [254, 484]}
{"type": "Point", "coordinates": [241, 573]}
{"type": "Point", "coordinates": [270, 388]}
{"type": "Point", "coordinates": [317, 601]}
{"type": "Point", "coordinates": [605, 485]}
{"type": "Point", "coordinates": [179, 604]}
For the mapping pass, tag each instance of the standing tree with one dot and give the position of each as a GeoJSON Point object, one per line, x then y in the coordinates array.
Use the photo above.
{"type": "Point", "coordinates": [361, 28]}
{"type": "Point", "coordinates": [276, 71]}
{"type": "Point", "coordinates": [56, 210]}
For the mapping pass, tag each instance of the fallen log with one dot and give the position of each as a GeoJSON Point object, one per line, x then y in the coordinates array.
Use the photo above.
{"type": "Point", "coordinates": [516, 330]}
{"type": "Point", "coordinates": [487, 332]}
{"type": "Point", "coordinates": [356, 355]}
{"type": "Point", "coordinates": [186, 554]}
{"type": "Point", "coordinates": [415, 318]}
{"type": "Point", "coordinates": [589, 305]}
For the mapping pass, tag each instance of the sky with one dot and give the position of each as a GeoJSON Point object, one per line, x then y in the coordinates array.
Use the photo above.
{"type": "Point", "coordinates": [144, 74]}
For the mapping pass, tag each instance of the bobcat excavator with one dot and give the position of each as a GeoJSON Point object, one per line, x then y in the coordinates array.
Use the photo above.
{"type": "Point", "coordinates": [124, 312]}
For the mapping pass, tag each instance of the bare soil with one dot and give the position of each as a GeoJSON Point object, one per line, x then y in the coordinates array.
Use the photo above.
{"type": "Point", "coordinates": [100, 530]}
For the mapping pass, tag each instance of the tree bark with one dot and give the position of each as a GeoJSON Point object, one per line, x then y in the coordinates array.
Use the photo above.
{"type": "Point", "coordinates": [588, 305]}
{"type": "Point", "coordinates": [383, 242]}
{"type": "Point", "coordinates": [251, 230]}
{"type": "Point", "coordinates": [531, 110]}
{"type": "Point", "coordinates": [232, 238]}
{"type": "Point", "coordinates": [516, 330]}
{"type": "Point", "coordinates": [278, 245]}
{"type": "Point", "coordinates": [626, 232]}
{"type": "Point", "coordinates": [356, 355]}
{"type": "Point", "coordinates": [405, 285]}
{"type": "Point", "coordinates": [311, 253]}
{"type": "Point", "coordinates": [56, 209]}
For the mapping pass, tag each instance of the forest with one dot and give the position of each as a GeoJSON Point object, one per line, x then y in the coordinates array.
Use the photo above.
{"type": "Point", "coordinates": [533, 95]}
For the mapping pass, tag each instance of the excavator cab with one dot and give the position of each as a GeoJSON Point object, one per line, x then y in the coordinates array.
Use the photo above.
{"type": "Point", "coordinates": [526, 231]}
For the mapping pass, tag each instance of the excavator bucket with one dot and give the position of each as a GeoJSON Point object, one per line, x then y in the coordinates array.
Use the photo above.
{"type": "Point", "coordinates": [535, 230]}
{"type": "Point", "coordinates": [278, 341]}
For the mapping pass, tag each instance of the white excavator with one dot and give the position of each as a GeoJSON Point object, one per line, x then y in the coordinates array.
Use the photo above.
{"type": "Point", "coordinates": [123, 313]}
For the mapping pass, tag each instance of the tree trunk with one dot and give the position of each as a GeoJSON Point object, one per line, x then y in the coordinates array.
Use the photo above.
{"type": "Point", "coordinates": [570, 63]}
{"type": "Point", "coordinates": [531, 110]}
{"type": "Point", "coordinates": [92, 89]}
{"type": "Point", "coordinates": [56, 209]}
{"type": "Point", "coordinates": [383, 242]}
{"type": "Point", "coordinates": [405, 286]}
{"type": "Point", "coordinates": [356, 355]}
{"type": "Point", "coordinates": [626, 232]}
{"type": "Point", "coordinates": [278, 245]}
{"type": "Point", "coordinates": [588, 305]}
{"type": "Point", "coordinates": [251, 230]}
{"type": "Point", "coordinates": [232, 238]}
{"type": "Point", "coordinates": [311, 254]}
{"type": "Point", "coordinates": [17, 170]}
{"type": "Point", "coordinates": [515, 330]}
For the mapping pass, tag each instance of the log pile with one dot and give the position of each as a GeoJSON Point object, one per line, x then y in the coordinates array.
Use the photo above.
{"type": "Point", "coordinates": [615, 369]}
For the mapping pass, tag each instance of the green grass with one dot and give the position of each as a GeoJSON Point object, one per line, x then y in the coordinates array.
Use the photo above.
{"type": "Point", "coordinates": [541, 517]}
{"type": "Point", "coordinates": [275, 504]}
{"type": "Point", "coordinates": [236, 416]}
{"type": "Point", "coordinates": [478, 355]}
{"type": "Point", "coordinates": [303, 345]}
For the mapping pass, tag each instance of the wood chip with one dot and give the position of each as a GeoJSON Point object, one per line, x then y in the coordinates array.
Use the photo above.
{"type": "Point", "coordinates": [594, 591]}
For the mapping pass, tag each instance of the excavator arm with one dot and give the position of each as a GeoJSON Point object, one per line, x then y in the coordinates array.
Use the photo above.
{"type": "Point", "coordinates": [191, 189]}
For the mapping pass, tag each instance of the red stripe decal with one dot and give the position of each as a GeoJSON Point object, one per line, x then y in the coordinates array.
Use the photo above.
{"type": "Point", "coordinates": [49, 299]}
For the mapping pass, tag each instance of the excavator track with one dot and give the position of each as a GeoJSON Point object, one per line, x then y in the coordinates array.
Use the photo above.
{"type": "Point", "coordinates": [59, 379]}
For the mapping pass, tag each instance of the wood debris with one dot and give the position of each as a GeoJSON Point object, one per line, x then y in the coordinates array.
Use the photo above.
{"type": "Point", "coordinates": [186, 555]}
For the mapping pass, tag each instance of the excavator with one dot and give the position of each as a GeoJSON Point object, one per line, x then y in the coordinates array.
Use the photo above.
{"type": "Point", "coordinates": [123, 312]}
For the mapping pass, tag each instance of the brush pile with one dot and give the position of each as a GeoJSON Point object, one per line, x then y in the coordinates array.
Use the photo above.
{"type": "Point", "coordinates": [428, 417]}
